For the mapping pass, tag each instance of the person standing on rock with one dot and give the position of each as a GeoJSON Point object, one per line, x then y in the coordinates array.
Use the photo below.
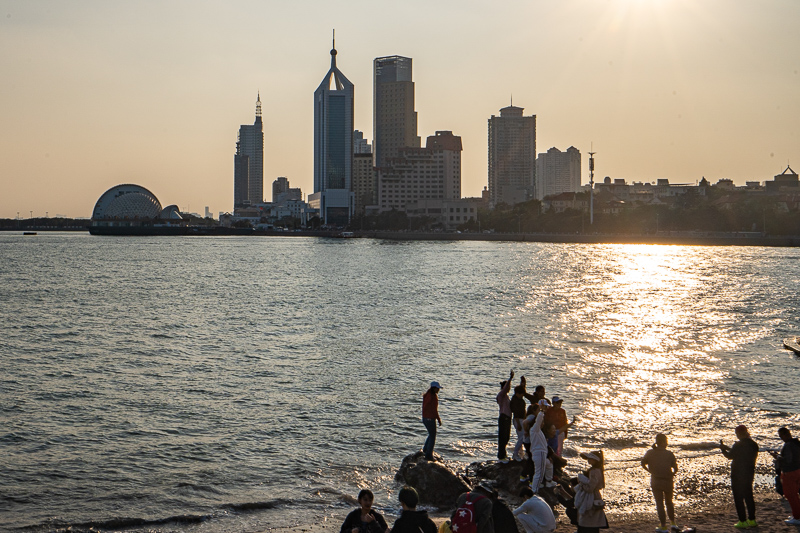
{"type": "Point", "coordinates": [743, 455]}
{"type": "Point", "coordinates": [663, 466]}
{"type": "Point", "coordinates": [430, 415]}
{"type": "Point", "coordinates": [789, 463]}
{"type": "Point", "coordinates": [504, 419]}
{"type": "Point", "coordinates": [518, 408]}
{"type": "Point", "coordinates": [558, 417]}
{"type": "Point", "coordinates": [538, 445]}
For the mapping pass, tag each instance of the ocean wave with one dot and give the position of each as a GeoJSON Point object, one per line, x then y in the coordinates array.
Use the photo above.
{"type": "Point", "coordinates": [258, 506]}
{"type": "Point", "coordinates": [696, 446]}
{"type": "Point", "coordinates": [115, 523]}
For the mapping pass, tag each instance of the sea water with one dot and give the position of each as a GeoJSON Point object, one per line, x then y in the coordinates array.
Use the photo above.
{"type": "Point", "coordinates": [239, 383]}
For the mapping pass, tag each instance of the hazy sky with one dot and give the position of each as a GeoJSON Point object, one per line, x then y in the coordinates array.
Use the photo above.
{"type": "Point", "coordinates": [98, 93]}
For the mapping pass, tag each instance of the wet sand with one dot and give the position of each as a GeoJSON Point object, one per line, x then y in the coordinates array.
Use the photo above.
{"type": "Point", "coordinates": [714, 516]}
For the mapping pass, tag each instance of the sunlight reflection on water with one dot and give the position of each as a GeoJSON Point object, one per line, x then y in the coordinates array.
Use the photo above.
{"type": "Point", "coordinates": [291, 370]}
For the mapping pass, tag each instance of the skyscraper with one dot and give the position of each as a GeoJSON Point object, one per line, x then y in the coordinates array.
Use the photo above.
{"type": "Point", "coordinates": [512, 156]}
{"type": "Point", "coordinates": [393, 116]}
{"type": "Point", "coordinates": [558, 172]}
{"type": "Point", "coordinates": [248, 163]}
{"type": "Point", "coordinates": [333, 147]}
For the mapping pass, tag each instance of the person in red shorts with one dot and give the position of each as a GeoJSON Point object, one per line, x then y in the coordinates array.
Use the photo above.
{"type": "Point", "coordinates": [789, 463]}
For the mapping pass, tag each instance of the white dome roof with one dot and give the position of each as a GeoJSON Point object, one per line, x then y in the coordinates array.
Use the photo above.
{"type": "Point", "coordinates": [126, 201]}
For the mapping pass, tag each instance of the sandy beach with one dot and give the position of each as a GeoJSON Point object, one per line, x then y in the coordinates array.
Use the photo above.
{"type": "Point", "coordinates": [716, 516]}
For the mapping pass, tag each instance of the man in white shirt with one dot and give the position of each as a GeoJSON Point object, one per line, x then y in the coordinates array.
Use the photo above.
{"type": "Point", "coordinates": [535, 514]}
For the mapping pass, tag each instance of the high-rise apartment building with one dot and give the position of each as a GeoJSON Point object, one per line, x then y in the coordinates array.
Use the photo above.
{"type": "Point", "coordinates": [248, 163]}
{"type": "Point", "coordinates": [360, 144]}
{"type": "Point", "coordinates": [281, 191]}
{"type": "Point", "coordinates": [365, 181]}
{"type": "Point", "coordinates": [365, 184]}
{"type": "Point", "coordinates": [433, 172]}
{"type": "Point", "coordinates": [512, 156]}
{"type": "Point", "coordinates": [393, 115]}
{"type": "Point", "coordinates": [333, 147]}
{"type": "Point", "coordinates": [558, 172]}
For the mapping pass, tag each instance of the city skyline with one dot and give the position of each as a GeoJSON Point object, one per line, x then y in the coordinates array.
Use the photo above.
{"type": "Point", "coordinates": [97, 95]}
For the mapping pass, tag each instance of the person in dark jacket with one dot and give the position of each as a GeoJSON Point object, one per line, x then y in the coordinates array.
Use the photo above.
{"type": "Point", "coordinates": [743, 455]}
{"type": "Point", "coordinates": [789, 463]}
{"type": "Point", "coordinates": [481, 498]}
{"type": "Point", "coordinates": [411, 520]}
{"type": "Point", "coordinates": [364, 519]}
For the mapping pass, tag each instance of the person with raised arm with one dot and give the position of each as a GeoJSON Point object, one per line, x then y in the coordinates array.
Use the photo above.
{"type": "Point", "coordinates": [504, 418]}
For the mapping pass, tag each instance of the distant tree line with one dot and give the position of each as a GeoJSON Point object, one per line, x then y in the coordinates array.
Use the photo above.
{"type": "Point", "coordinates": [741, 211]}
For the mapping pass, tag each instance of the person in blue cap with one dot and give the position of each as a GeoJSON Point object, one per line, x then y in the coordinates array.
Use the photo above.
{"type": "Point", "coordinates": [430, 415]}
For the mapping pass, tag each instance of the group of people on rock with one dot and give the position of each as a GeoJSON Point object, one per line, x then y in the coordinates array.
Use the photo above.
{"type": "Point", "coordinates": [541, 426]}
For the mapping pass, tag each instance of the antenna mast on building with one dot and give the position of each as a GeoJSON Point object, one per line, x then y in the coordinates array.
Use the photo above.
{"type": "Point", "coordinates": [591, 185]}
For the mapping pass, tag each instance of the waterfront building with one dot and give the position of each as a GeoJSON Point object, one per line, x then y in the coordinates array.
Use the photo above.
{"type": "Point", "coordinates": [132, 206]}
{"type": "Point", "coordinates": [393, 115]}
{"type": "Point", "coordinates": [333, 147]}
{"type": "Point", "coordinates": [365, 181]}
{"type": "Point", "coordinates": [558, 172]}
{"type": "Point", "coordinates": [447, 214]}
{"type": "Point", "coordinates": [281, 191]}
{"type": "Point", "coordinates": [248, 163]}
{"type": "Point", "coordinates": [512, 156]}
{"type": "Point", "coordinates": [787, 178]}
{"type": "Point", "coordinates": [433, 172]}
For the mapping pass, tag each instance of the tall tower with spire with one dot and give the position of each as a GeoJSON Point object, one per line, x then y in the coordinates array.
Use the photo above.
{"type": "Point", "coordinates": [248, 163]}
{"type": "Point", "coordinates": [333, 147]}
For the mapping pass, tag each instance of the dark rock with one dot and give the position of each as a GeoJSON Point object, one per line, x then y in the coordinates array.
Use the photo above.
{"type": "Point", "coordinates": [436, 483]}
{"type": "Point", "coordinates": [504, 476]}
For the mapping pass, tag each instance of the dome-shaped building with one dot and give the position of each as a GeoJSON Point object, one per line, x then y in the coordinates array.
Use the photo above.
{"type": "Point", "coordinates": [126, 202]}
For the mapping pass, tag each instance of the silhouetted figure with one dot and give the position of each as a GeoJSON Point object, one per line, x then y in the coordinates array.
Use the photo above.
{"type": "Point", "coordinates": [789, 463]}
{"type": "Point", "coordinates": [663, 466]}
{"type": "Point", "coordinates": [504, 418]}
{"type": "Point", "coordinates": [743, 455]}
{"type": "Point", "coordinates": [430, 415]}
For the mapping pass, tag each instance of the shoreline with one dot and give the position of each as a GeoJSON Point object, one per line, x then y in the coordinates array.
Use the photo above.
{"type": "Point", "coordinates": [687, 238]}
{"type": "Point", "coordinates": [717, 515]}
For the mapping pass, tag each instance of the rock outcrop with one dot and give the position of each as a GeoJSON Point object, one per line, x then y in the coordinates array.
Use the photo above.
{"type": "Point", "coordinates": [436, 483]}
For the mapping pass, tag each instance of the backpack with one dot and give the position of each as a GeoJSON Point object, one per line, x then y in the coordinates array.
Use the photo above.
{"type": "Point", "coordinates": [465, 519]}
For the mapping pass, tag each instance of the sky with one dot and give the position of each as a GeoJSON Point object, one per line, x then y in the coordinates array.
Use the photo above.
{"type": "Point", "coordinates": [96, 93]}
